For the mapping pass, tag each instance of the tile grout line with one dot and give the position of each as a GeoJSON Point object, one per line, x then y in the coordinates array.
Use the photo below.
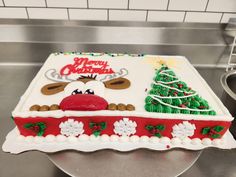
{"type": "Point", "coordinates": [168, 3]}
{"type": "Point", "coordinates": [3, 3]}
{"type": "Point", "coordinates": [68, 14]}
{"type": "Point", "coordinates": [221, 17]}
{"type": "Point", "coordinates": [206, 5]}
{"type": "Point", "coordinates": [185, 16]}
{"type": "Point", "coordinates": [27, 13]}
{"type": "Point", "coordinates": [146, 16]}
{"type": "Point", "coordinates": [108, 15]}
{"type": "Point", "coordinates": [155, 10]}
{"type": "Point", "coordinates": [128, 5]}
{"type": "Point", "coordinates": [87, 4]}
{"type": "Point", "coordinates": [46, 3]}
{"type": "Point", "coordinates": [222, 13]}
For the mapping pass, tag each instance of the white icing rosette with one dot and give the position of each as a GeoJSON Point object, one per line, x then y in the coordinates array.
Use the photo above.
{"type": "Point", "coordinates": [71, 127]}
{"type": "Point", "coordinates": [125, 127]}
{"type": "Point", "coordinates": [183, 130]}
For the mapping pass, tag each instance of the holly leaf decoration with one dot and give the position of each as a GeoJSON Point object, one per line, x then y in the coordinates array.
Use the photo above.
{"type": "Point", "coordinates": [28, 125]}
{"type": "Point", "coordinates": [148, 127]}
{"type": "Point", "coordinates": [40, 133]}
{"type": "Point", "coordinates": [215, 135]}
{"type": "Point", "coordinates": [206, 130]}
{"type": "Point", "coordinates": [218, 128]}
{"type": "Point", "coordinates": [97, 133]}
{"type": "Point", "coordinates": [92, 124]}
{"type": "Point", "coordinates": [160, 127]}
{"type": "Point", "coordinates": [38, 127]}
{"type": "Point", "coordinates": [213, 132]}
{"type": "Point", "coordinates": [97, 127]}
{"type": "Point", "coordinates": [158, 135]}
{"type": "Point", "coordinates": [155, 130]}
{"type": "Point", "coordinates": [103, 125]}
{"type": "Point", "coordinates": [41, 125]}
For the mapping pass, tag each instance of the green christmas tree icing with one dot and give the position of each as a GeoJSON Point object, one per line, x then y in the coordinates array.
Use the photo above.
{"type": "Point", "coordinates": [168, 94]}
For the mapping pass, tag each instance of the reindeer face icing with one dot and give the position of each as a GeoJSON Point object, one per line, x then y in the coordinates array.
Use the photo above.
{"type": "Point", "coordinates": [86, 93]}
{"type": "Point", "coordinates": [90, 88]}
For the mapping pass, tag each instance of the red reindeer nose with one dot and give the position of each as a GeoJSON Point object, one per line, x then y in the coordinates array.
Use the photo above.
{"type": "Point", "coordinates": [83, 102]}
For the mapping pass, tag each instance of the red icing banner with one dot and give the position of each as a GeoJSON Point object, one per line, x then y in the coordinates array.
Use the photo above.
{"type": "Point", "coordinates": [84, 65]}
{"type": "Point", "coordinates": [52, 125]}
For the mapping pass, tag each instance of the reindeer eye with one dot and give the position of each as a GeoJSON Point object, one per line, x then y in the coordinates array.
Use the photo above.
{"type": "Point", "coordinates": [89, 91]}
{"type": "Point", "coordinates": [94, 87]}
{"type": "Point", "coordinates": [77, 91]}
{"type": "Point", "coordinates": [75, 87]}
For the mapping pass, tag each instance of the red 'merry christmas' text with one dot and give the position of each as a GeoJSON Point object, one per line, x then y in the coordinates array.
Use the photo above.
{"type": "Point", "coordinates": [86, 66]}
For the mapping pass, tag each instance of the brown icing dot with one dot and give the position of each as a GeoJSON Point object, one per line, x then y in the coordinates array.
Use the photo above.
{"type": "Point", "coordinates": [44, 108]}
{"type": "Point", "coordinates": [34, 108]}
{"type": "Point", "coordinates": [121, 107]}
{"type": "Point", "coordinates": [54, 107]}
{"type": "Point", "coordinates": [112, 107]}
{"type": "Point", "coordinates": [130, 107]}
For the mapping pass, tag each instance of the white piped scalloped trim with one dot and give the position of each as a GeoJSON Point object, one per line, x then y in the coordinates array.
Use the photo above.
{"type": "Point", "coordinates": [17, 143]}
{"type": "Point", "coordinates": [164, 140]}
{"type": "Point", "coordinates": [105, 138]}
{"type": "Point", "coordinates": [196, 141]}
{"type": "Point", "coordinates": [144, 139]}
{"type": "Point", "coordinates": [83, 138]}
{"type": "Point", "coordinates": [115, 138]}
{"type": "Point", "coordinates": [175, 141]}
{"type": "Point", "coordinates": [206, 141]}
{"type": "Point", "coordinates": [60, 138]}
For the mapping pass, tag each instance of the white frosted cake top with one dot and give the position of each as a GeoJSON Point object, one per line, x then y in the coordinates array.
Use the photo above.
{"type": "Point", "coordinates": [137, 71]}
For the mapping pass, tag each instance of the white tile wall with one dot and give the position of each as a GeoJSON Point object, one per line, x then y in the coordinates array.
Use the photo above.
{"type": "Point", "coordinates": [67, 3]}
{"type": "Point", "coordinates": [227, 16]}
{"type": "Point", "coordinates": [209, 11]}
{"type": "Point", "coordinates": [25, 3]}
{"type": "Point", "coordinates": [222, 5]}
{"type": "Point", "coordinates": [47, 13]}
{"type": "Point", "coordinates": [195, 5]}
{"type": "Point", "coordinates": [203, 17]}
{"type": "Point", "coordinates": [127, 15]}
{"type": "Point", "coordinates": [112, 4]}
{"type": "Point", "coordinates": [165, 16]}
{"type": "Point", "coordinates": [87, 14]}
{"type": "Point", "coordinates": [13, 12]}
{"type": "Point", "coordinates": [150, 4]}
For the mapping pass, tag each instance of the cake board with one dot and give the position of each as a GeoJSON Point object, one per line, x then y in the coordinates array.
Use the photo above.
{"type": "Point", "coordinates": [77, 163]}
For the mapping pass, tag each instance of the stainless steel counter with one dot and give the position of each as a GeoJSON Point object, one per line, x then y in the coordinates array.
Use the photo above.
{"type": "Point", "coordinates": [33, 40]}
{"type": "Point", "coordinates": [25, 44]}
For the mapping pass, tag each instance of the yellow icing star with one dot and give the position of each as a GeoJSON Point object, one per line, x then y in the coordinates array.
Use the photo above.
{"type": "Point", "coordinates": [157, 62]}
{"type": "Point", "coordinates": [162, 62]}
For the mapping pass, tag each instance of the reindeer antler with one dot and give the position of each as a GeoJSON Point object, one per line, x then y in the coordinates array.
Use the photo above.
{"type": "Point", "coordinates": [123, 72]}
{"type": "Point", "coordinates": [52, 75]}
